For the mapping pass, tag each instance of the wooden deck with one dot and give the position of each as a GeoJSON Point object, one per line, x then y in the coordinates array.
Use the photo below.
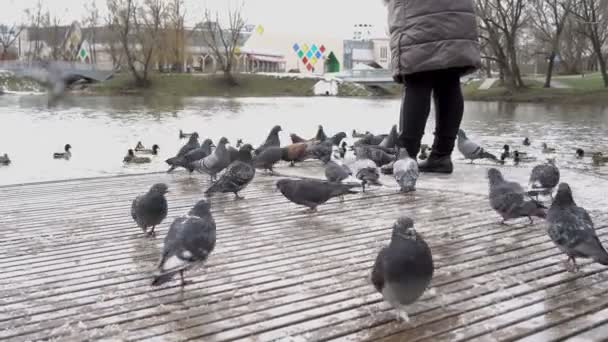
{"type": "Point", "coordinates": [74, 268]}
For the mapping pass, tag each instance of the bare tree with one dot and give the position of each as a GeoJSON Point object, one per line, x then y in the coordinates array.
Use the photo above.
{"type": "Point", "coordinates": [573, 47]}
{"type": "Point", "coordinates": [113, 42]}
{"type": "Point", "coordinates": [177, 32]}
{"type": "Point", "coordinates": [501, 21]}
{"type": "Point", "coordinates": [92, 22]}
{"type": "Point", "coordinates": [36, 20]}
{"type": "Point", "coordinates": [223, 42]}
{"type": "Point", "coordinates": [8, 37]}
{"type": "Point", "coordinates": [54, 36]}
{"type": "Point", "coordinates": [548, 17]}
{"type": "Point", "coordinates": [592, 17]}
{"type": "Point", "coordinates": [138, 28]}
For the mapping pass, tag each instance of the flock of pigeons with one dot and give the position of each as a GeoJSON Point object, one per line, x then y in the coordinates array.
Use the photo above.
{"type": "Point", "coordinates": [403, 270]}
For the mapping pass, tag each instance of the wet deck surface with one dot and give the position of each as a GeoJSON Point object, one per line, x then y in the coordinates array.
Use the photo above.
{"type": "Point", "coordinates": [74, 267]}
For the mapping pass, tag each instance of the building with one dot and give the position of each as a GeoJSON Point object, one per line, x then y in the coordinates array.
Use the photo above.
{"type": "Point", "coordinates": [368, 48]}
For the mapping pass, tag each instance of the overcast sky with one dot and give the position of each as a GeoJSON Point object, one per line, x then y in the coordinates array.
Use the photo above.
{"type": "Point", "coordinates": [331, 17]}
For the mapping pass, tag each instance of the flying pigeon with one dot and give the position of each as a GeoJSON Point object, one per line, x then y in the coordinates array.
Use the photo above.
{"type": "Point", "coordinates": [150, 209]}
{"type": "Point", "coordinates": [268, 158]}
{"type": "Point", "coordinates": [271, 141]}
{"type": "Point", "coordinates": [190, 145]}
{"type": "Point", "coordinates": [312, 193]}
{"type": "Point", "coordinates": [572, 230]}
{"type": "Point", "coordinates": [544, 179]}
{"type": "Point", "coordinates": [403, 270]}
{"type": "Point", "coordinates": [216, 162]}
{"type": "Point", "coordinates": [391, 140]}
{"type": "Point", "coordinates": [190, 240]}
{"type": "Point", "coordinates": [470, 150]}
{"type": "Point", "coordinates": [510, 200]}
{"type": "Point", "coordinates": [405, 171]}
{"type": "Point", "coordinates": [237, 176]}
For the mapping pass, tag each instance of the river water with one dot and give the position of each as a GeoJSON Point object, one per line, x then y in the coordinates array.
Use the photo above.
{"type": "Point", "coordinates": [101, 129]}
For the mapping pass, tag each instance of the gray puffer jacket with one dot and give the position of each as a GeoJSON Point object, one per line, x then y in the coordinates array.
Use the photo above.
{"type": "Point", "coordinates": [433, 35]}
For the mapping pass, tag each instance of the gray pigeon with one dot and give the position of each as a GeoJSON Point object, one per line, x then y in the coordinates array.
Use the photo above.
{"type": "Point", "coordinates": [403, 270]}
{"type": "Point", "coordinates": [337, 138]}
{"type": "Point", "coordinates": [377, 155]}
{"type": "Point", "coordinates": [405, 171]}
{"type": "Point", "coordinates": [510, 200]}
{"type": "Point", "coordinates": [544, 179]}
{"type": "Point", "coordinates": [268, 158]}
{"type": "Point", "coordinates": [367, 172]}
{"type": "Point", "coordinates": [572, 230]}
{"type": "Point", "coordinates": [216, 162]}
{"type": "Point", "coordinates": [188, 161]}
{"type": "Point", "coordinates": [335, 170]}
{"type": "Point", "coordinates": [271, 141]}
{"type": "Point", "coordinates": [321, 151]}
{"type": "Point", "coordinates": [190, 240]}
{"type": "Point", "coordinates": [320, 137]}
{"type": "Point", "coordinates": [312, 193]}
{"type": "Point", "coordinates": [150, 209]}
{"type": "Point", "coordinates": [391, 140]}
{"type": "Point", "coordinates": [238, 175]}
{"type": "Point", "coordinates": [470, 150]}
{"type": "Point", "coordinates": [190, 145]}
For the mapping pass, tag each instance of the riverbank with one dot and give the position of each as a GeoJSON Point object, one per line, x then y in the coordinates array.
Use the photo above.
{"type": "Point", "coordinates": [249, 85]}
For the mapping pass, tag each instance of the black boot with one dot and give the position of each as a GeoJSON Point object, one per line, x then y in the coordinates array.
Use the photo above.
{"type": "Point", "coordinates": [437, 164]}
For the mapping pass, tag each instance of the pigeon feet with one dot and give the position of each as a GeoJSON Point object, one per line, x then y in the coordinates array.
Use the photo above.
{"type": "Point", "coordinates": [152, 233]}
{"type": "Point", "coordinates": [238, 198]}
{"type": "Point", "coordinates": [402, 316]}
{"type": "Point", "coordinates": [571, 265]}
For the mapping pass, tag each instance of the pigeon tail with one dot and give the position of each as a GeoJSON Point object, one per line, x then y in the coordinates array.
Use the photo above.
{"type": "Point", "coordinates": [345, 189]}
{"type": "Point", "coordinates": [164, 278]}
{"type": "Point", "coordinates": [603, 258]}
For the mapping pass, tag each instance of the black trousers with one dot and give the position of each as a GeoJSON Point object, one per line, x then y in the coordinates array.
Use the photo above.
{"type": "Point", "coordinates": [444, 86]}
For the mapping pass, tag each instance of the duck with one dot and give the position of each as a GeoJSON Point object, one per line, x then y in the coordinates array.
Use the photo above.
{"type": "Point", "coordinates": [516, 158]}
{"type": "Point", "coordinates": [183, 135]}
{"type": "Point", "coordinates": [132, 158]}
{"type": "Point", "coordinates": [67, 154]}
{"type": "Point", "coordinates": [423, 152]}
{"type": "Point", "coordinates": [527, 141]}
{"type": "Point", "coordinates": [547, 149]}
{"type": "Point", "coordinates": [519, 157]}
{"type": "Point", "coordinates": [5, 160]}
{"type": "Point", "coordinates": [580, 153]}
{"type": "Point", "coordinates": [506, 153]}
{"type": "Point", "coordinates": [153, 151]}
{"type": "Point", "coordinates": [139, 146]}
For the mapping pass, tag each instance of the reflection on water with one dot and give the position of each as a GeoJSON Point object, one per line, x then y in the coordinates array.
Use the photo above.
{"type": "Point", "coordinates": [101, 129]}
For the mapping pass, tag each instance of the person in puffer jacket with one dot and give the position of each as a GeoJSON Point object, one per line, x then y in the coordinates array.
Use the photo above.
{"type": "Point", "coordinates": [433, 44]}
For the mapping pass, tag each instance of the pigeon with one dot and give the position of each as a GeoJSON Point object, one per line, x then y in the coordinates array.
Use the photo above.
{"type": "Point", "coordinates": [271, 141]}
{"type": "Point", "coordinates": [189, 160]}
{"type": "Point", "coordinates": [215, 162]}
{"type": "Point", "coordinates": [370, 139]}
{"type": "Point", "coordinates": [152, 151]}
{"type": "Point", "coordinates": [527, 141]}
{"type": "Point", "coordinates": [337, 138]}
{"type": "Point", "coordinates": [343, 149]}
{"type": "Point", "coordinates": [150, 209]}
{"type": "Point", "coordinates": [510, 200]}
{"type": "Point", "coordinates": [190, 240]}
{"type": "Point", "coordinates": [312, 193]}
{"type": "Point", "coordinates": [321, 151]}
{"type": "Point", "coordinates": [5, 160]}
{"type": "Point", "coordinates": [423, 152]}
{"type": "Point", "coordinates": [295, 153]}
{"type": "Point", "coordinates": [320, 137]}
{"type": "Point", "coordinates": [335, 170]}
{"type": "Point", "coordinates": [470, 150]}
{"type": "Point", "coordinates": [391, 140]}
{"type": "Point", "coordinates": [183, 135]}
{"type": "Point", "coordinates": [131, 158]}
{"type": "Point", "coordinates": [367, 172]}
{"type": "Point", "coordinates": [67, 154]}
{"type": "Point", "coordinates": [544, 179]}
{"type": "Point", "coordinates": [237, 176]}
{"type": "Point", "coordinates": [378, 156]}
{"type": "Point", "coordinates": [405, 171]}
{"type": "Point", "coordinates": [403, 270]}
{"type": "Point", "coordinates": [580, 153]}
{"type": "Point", "coordinates": [547, 149]}
{"type": "Point", "coordinates": [192, 144]}
{"type": "Point", "coordinates": [268, 158]}
{"type": "Point", "coordinates": [572, 230]}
